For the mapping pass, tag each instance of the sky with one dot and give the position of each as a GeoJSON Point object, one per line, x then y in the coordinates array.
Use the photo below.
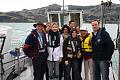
{"type": "Point", "coordinates": [18, 5]}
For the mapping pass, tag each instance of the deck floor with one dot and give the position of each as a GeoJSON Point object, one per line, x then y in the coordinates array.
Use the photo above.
{"type": "Point", "coordinates": [28, 75]}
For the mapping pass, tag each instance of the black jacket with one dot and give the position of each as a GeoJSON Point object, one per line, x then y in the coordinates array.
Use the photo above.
{"type": "Point", "coordinates": [102, 45]}
{"type": "Point", "coordinates": [31, 47]}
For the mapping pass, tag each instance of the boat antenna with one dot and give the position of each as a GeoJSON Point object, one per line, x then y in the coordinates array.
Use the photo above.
{"type": "Point", "coordinates": [104, 5]}
{"type": "Point", "coordinates": [63, 6]}
{"type": "Point", "coordinates": [63, 10]}
{"type": "Point", "coordinates": [102, 13]}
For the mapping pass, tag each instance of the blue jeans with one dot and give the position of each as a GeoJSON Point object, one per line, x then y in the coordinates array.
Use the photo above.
{"type": "Point", "coordinates": [101, 70]}
{"type": "Point", "coordinates": [53, 70]}
{"type": "Point", "coordinates": [75, 70]}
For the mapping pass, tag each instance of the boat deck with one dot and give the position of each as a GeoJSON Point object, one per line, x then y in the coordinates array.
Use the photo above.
{"type": "Point", "coordinates": [28, 74]}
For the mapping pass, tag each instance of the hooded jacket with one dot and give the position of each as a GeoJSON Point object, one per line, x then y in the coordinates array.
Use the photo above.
{"type": "Point", "coordinates": [102, 45]}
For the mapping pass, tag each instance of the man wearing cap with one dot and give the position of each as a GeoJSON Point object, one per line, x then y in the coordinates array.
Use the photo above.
{"type": "Point", "coordinates": [35, 48]}
{"type": "Point", "coordinates": [86, 52]}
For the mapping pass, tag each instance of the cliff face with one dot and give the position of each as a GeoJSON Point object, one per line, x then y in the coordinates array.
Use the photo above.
{"type": "Point", "coordinates": [90, 12]}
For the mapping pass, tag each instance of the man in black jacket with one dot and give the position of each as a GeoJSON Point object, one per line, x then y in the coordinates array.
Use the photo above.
{"type": "Point", "coordinates": [103, 48]}
{"type": "Point", "coordinates": [36, 49]}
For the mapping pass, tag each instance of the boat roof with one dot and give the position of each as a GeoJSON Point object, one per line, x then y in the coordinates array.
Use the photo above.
{"type": "Point", "coordinates": [65, 11]}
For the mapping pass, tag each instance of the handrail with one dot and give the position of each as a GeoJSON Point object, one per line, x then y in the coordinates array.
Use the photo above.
{"type": "Point", "coordinates": [11, 60]}
{"type": "Point", "coordinates": [6, 52]}
{"type": "Point", "coordinates": [14, 65]}
{"type": "Point", "coordinates": [9, 51]}
{"type": "Point", "coordinates": [17, 57]}
{"type": "Point", "coordinates": [14, 60]}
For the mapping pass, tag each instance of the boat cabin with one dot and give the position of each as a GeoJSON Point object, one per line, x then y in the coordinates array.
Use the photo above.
{"type": "Point", "coordinates": [63, 17]}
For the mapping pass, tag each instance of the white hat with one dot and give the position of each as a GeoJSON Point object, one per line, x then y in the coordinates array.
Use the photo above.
{"type": "Point", "coordinates": [83, 28]}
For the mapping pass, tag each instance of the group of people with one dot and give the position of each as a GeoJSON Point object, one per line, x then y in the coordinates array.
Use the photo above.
{"type": "Point", "coordinates": [60, 52]}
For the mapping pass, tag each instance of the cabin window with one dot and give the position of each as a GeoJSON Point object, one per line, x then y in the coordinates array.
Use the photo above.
{"type": "Point", "coordinates": [75, 17]}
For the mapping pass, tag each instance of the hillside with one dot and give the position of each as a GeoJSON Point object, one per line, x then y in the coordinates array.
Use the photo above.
{"type": "Point", "coordinates": [90, 12]}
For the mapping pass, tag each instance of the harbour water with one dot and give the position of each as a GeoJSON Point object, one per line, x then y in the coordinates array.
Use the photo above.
{"type": "Point", "coordinates": [21, 30]}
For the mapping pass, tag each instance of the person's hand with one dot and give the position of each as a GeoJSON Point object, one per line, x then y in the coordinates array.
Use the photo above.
{"type": "Point", "coordinates": [66, 62]}
{"type": "Point", "coordinates": [60, 59]}
{"type": "Point", "coordinates": [79, 55]}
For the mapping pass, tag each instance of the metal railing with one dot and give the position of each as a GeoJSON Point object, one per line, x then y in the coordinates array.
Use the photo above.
{"type": "Point", "coordinates": [16, 62]}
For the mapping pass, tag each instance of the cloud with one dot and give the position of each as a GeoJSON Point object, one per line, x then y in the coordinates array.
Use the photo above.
{"type": "Point", "coordinates": [17, 5]}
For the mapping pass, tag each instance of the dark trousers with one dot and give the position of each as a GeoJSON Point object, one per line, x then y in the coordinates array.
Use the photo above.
{"type": "Point", "coordinates": [39, 67]}
{"type": "Point", "coordinates": [61, 70]}
{"type": "Point", "coordinates": [101, 69]}
{"type": "Point", "coordinates": [75, 70]}
{"type": "Point", "coordinates": [47, 73]}
{"type": "Point", "coordinates": [80, 66]}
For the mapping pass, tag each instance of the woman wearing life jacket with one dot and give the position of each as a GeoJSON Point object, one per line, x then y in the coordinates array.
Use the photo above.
{"type": "Point", "coordinates": [86, 50]}
{"type": "Point", "coordinates": [71, 47]}
{"type": "Point", "coordinates": [55, 43]}
{"type": "Point", "coordinates": [35, 48]}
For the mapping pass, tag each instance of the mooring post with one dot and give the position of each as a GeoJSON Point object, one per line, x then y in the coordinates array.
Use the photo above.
{"type": "Point", "coordinates": [18, 61]}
